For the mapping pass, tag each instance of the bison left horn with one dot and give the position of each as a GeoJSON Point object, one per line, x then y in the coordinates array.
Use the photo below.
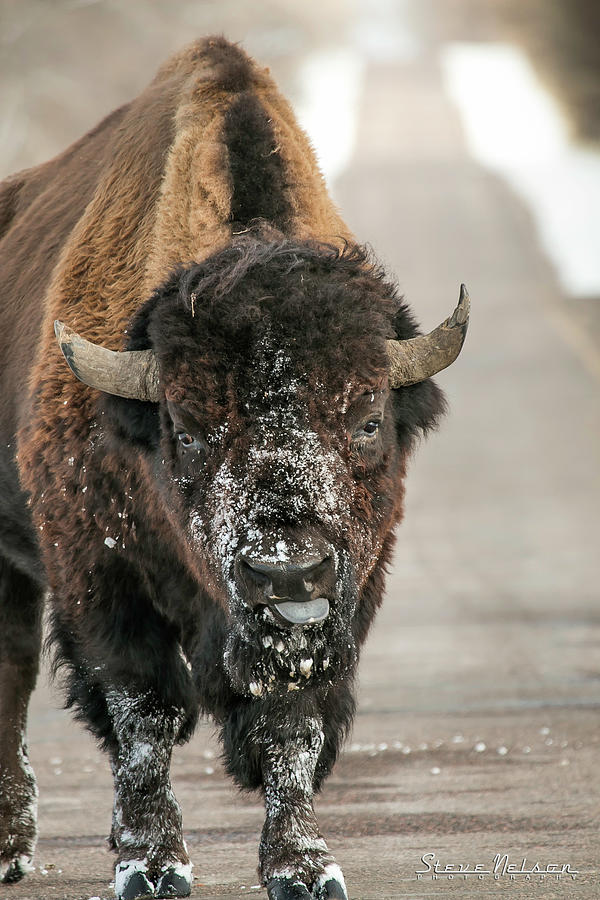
{"type": "Point", "coordinates": [129, 373]}
{"type": "Point", "coordinates": [421, 357]}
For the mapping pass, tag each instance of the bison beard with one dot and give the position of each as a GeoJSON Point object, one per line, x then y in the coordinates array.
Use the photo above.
{"type": "Point", "coordinates": [220, 551]}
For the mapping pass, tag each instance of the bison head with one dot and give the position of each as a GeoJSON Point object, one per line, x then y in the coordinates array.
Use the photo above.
{"type": "Point", "coordinates": [284, 385]}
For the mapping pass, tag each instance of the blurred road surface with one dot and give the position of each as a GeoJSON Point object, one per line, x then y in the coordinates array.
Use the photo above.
{"type": "Point", "coordinates": [479, 691]}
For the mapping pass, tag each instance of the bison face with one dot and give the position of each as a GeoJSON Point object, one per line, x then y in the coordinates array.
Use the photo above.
{"type": "Point", "coordinates": [280, 448]}
{"type": "Point", "coordinates": [288, 486]}
{"type": "Point", "coordinates": [280, 498]}
{"type": "Point", "coordinates": [280, 482]}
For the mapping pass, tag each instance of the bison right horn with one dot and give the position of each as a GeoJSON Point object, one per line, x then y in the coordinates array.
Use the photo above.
{"type": "Point", "coordinates": [129, 373]}
{"type": "Point", "coordinates": [421, 357]}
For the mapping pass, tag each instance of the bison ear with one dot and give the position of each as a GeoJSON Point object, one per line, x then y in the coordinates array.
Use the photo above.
{"type": "Point", "coordinates": [418, 358]}
{"type": "Point", "coordinates": [132, 374]}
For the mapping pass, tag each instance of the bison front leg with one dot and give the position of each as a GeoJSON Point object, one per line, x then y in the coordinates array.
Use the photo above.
{"type": "Point", "coordinates": [295, 863]}
{"type": "Point", "coordinates": [20, 636]}
{"type": "Point", "coordinates": [152, 856]}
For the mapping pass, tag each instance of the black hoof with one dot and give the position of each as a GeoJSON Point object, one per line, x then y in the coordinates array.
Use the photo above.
{"type": "Point", "coordinates": [136, 887]}
{"type": "Point", "coordinates": [331, 890]}
{"type": "Point", "coordinates": [173, 884]}
{"type": "Point", "coordinates": [286, 889]}
{"type": "Point", "coordinates": [16, 869]}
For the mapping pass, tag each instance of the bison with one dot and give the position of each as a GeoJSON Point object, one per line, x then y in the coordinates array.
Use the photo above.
{"type": "Point", "coordinates": [210, 504]}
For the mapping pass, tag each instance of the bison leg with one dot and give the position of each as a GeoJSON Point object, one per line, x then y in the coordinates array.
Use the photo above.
{"type": "Point", "coordinates": [152, 857]}
{"type": "Point", "coordinates": [20, 633]}
{"type": "Point", "coordinates": [295, 863]}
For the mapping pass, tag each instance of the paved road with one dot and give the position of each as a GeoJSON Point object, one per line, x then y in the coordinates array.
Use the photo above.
{"type": "Point", "coordinates": [476, 733]}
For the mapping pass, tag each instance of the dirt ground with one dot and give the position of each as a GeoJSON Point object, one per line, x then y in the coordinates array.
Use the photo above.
{"type": "Point", "coordinates": [477, 732]}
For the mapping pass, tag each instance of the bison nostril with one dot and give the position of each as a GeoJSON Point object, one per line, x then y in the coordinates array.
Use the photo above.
{"type": "Point", "coordinates": [285, 579]}
{"type": "Point", "coordinates": [295, 590]}
{"type": "Point", "coordinates": [254, 576]}
{"type": "Point", "coordinates": [317, 571]}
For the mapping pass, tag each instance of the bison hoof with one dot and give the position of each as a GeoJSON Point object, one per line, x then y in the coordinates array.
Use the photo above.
{"type": "Point", "coordinates": [328, 886]}
{"type": "Point", "coordinates": [13, 870]}
{"type": "Point", "coordinates": [330, 890]}
{"type": "Point", "coordinates": [131, 881]}
{"type": "Point", "coordinates": [175, 881]}
{"type": "Point", "coordinates": [287, 889]}
{"type": "Point", "coordinates": [331, 885]}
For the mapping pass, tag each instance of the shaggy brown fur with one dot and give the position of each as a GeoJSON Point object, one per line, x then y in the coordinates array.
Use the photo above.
{"type": "Point", "coordinates": [269, 324]}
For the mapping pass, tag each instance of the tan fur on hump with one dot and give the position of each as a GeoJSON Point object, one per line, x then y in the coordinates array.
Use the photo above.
{"type": "Point", "coordinates": [164, 200]}
{"type": "Point", "coordinates": [196, 194]}
{"type": "Point", "coordinates": [136, 229]}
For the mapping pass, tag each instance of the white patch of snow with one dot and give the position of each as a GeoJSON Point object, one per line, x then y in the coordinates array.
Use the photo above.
{"type": "Point", "coordinates": [332, 871]}
{"type": "Point", "coordinates": [306, 667]}
{"type": "Point", "coordinates": [331, 126]}
{"type": "Point", "coordinates": [184, 870]}
{"type": "Point", "coordinates": [184, 659]}
{"type": "Point", "coordinates": [514, 126]}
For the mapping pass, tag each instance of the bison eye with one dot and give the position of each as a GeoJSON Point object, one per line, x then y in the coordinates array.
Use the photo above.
{"type": "Point", "coordinates": [367, 431]}
{"type": "Point", "coordinates": [371, 428]}
{"type": "Point", "coordinates": [188, 441]}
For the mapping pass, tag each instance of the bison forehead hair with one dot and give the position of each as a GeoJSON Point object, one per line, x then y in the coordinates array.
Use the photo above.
{"type": "Point", "coordinates": [332, 307]}
{"type": "Point", "coordinates": [273, 359]}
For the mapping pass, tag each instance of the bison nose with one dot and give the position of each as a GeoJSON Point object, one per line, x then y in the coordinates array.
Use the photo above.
{"type": "Point", "coordinates": [295, 591]}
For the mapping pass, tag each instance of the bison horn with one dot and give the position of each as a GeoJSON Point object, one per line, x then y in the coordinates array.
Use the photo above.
{"type": "Point", "coordinates": [421, 357]}
{"type": "Point", "coordinates": [134, 373]}
{"type": "Point", "coordinates": [129, 373]}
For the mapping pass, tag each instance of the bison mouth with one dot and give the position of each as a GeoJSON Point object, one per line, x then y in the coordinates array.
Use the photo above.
{"type": "Point", "coordinates": [293, 586]}
{"type": "Point", "coordinates": [292, 624]}
{"type": "Point", "coordinates": [298, 612]}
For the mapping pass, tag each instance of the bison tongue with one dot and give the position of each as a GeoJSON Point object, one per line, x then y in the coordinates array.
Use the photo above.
{"type": "Point", "coordinates": [303, 612]}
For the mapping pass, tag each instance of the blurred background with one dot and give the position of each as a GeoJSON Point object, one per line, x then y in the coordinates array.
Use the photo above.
{"type": "Point", "coordinates": [461, 139]}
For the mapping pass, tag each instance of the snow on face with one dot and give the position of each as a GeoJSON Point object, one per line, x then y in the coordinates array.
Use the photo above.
{"type": "Point", "coordinates": [287, 475]}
